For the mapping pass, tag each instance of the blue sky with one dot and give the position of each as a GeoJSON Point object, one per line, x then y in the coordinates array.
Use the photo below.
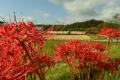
{"type": "Point", "coordinates": [59, 11]}
{"type": "Point", "coordinates": [41, 11]}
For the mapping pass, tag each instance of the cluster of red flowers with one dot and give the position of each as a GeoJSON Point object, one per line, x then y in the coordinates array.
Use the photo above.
{"type": "Point", "coordinates": [110, 32]}
{"type": "Point", "coordinates": [18, 55]}
{"type": "Point", "coordinates": [84, 55]}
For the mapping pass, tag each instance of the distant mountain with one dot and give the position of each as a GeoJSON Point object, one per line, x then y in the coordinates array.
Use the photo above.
{"type": "Point", "coordinates": [87, 24]}
{"type": "Point", "coordinates": [76, 26]}
{"type": "Point", "coordinates": [90, 26]}
{"type": "Point", "coordinates": [83, 26]}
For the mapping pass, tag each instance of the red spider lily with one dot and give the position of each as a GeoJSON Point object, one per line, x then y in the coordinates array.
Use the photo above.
{"type": "Point", "coordinates": [82, 51]}
{"type": "Point", "coordinates": [106, 66]}
{"type": "Point", "coordinates": [18, 55]}
{"type": "Point", "coordinates": [110, 32]}
{"type": "Point", "coordinates": [117, 61]}
{"type": "Point", "coordinates": [99, 47]}
{"type": "Point", "coordinates": [82, 56]}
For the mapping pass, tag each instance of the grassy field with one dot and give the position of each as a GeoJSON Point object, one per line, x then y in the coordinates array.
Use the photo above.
{"type": "Point", "coordinates": [60, 70]}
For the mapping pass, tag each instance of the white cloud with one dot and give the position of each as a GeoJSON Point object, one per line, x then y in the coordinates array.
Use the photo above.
{"type": "Point", "coordinates": [109, 10]}
{"type": "Point", "coordinates": [80, 10]}
{"type": "Point", "coordinates": [42, 14]}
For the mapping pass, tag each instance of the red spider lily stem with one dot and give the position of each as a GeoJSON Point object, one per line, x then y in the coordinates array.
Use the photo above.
{"type": "Point", "coordinates": [79, 75]}
{"type": "Point", "coordinates": [88, 74]}
{"type": "Point", "coordinates": [79, 71]}
{"type": "Point", "coordinates": [42, 74]}
{"type": "Point", "coordinates": [31, 77]}
{"type": "Point", "coordinates": [15, 18]}
{"type": "Point", "coordinates": [28, 54]}
{"type": "Point", "coordinates": [70, 69]}
{"type": "Point", "coordinates": [41, 71]}
{"type": "Point", "coordinates": [34, 77]}
{"type": "Point", "coordinates": [82, 76]}
{"type": "Point", "coordinates": [82, 73]}
{"type": "Point", "coordinates": [109, 46]}
{"type": "Point", "coordinates": [99, 76]}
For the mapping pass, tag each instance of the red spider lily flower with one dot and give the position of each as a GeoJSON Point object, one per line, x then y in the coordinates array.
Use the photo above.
{"type": "Point", "coordinates": [19, 56]}
{"type": "Point", "coordinates": [117, 61]}
{"type": "Point", "coordinates": [99, 47]}
{"type": "Point", "coordinates": [83, 56]}
{"type": "Point", "coordinates": [82, 51]}
{"type": "Point", "coordinates": [111, 33]}
{"type": "Point", "coordinates": [108, 66]}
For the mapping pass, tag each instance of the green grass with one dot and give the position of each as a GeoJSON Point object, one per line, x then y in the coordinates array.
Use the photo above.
{"type": "Point", "coordinates": [50, 46]}
{"type": "Point", "coordinates": [115, 50]}
{"type": "Point", "coordinates": [60, 70]}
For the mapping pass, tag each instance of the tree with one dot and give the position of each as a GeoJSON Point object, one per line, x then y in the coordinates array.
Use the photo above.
{"type": "Point", "coordinates": [1, 22]}
{"type": "Point", "coordinates": [116, 18]}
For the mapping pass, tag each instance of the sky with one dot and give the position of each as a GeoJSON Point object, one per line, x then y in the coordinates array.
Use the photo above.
{"type": "Point", "coordinates": [58, 11]}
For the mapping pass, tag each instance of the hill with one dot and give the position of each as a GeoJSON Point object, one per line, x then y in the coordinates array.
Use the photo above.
{"type": "Point", "coordinates": [90, 26]}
